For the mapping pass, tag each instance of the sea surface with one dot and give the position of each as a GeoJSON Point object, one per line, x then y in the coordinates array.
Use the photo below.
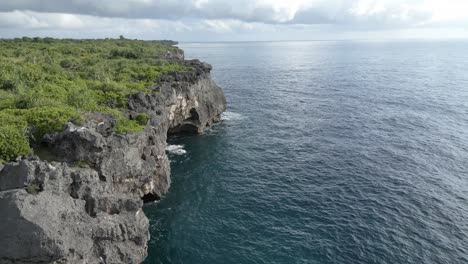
{"type": "Point", "coordinates": [329, 152]}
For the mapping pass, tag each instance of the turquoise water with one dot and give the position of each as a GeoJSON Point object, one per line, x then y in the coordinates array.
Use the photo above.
{"type": "Point", "coordinates": [330, 152]}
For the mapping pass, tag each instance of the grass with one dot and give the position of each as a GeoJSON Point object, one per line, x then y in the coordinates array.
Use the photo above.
{"type": "Point", "coordinates": [47, 82]}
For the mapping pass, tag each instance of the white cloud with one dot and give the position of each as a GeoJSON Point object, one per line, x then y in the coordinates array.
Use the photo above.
{"type": "Point", "coordinates": [266, 11]}
{"type": "Point", "coordinates": [220, 26]}
{"type": "Point", "coordinates": [448, 11]}
{"type": "Point", "coordinates": [172, 18]}
{"type": "Point", "coordinates": [28, 19]}
{"type": "Point", "coordinates": [20, 19]}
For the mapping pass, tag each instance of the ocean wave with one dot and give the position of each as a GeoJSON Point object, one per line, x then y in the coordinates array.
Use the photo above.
{"type": "Point", "coordinates": [176, 149]}
{"type": "Point", "coordinates": [231, 116]}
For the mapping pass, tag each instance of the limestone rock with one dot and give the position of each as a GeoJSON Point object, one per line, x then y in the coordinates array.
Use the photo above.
{"type": "Point", "coordinates": [81, 202]}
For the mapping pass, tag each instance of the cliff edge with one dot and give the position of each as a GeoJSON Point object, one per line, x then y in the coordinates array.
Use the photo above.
{"type": "Point", "coordinates": [79, 197]}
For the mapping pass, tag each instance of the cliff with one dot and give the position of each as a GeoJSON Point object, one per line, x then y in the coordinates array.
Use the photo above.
{"type": "Point", "coordinates": [79, 198]}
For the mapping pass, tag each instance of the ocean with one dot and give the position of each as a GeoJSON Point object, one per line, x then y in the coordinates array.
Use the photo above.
{"type": "Point", "coordinates": [329, 152]}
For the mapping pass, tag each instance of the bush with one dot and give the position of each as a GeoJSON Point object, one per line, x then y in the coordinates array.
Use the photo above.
{"type": "Point", "coordinates": [26, 99]}
{"type": "Point", "coordinates": [13, 142]}
{"type": "Point", "coordinates": [111, 93]}
{"type": "Point", "coordinates": [125, 125]}
{"type": "Point", "coordinates": [142, 119]}
{"type": "Point", "coordinates": [7, 84]}
{"type": "Point", "coordinates": [125, 53]}
{"type": "Point", "coordinates": [7, 100]}
{"type": "Point", "coordinates": [8, 77]}
{"type": "Point", "coordinates": [70, 64]}
{"type": "Point", "coordinates": [52, 91]}
{"type": "Point", "coordinates": [106, 110]}
{"type": "Point", "coordinates": [33, 188]}
{"type": "Point", "coordinates": [50, 119]}
{"type": "Point", "coordinates": [81, 98]}
{"type": "Point", "coordinates": [10, 118]}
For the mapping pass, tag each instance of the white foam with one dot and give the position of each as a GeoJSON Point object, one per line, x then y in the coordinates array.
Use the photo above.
{"type": "Point", "coordinates": [231, 116]}
{"type": "Point", "coordinates": [176, 149]}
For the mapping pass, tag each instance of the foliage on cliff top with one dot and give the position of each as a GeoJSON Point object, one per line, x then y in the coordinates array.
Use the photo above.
{"type": "Point", "coordinates": [47, 82]}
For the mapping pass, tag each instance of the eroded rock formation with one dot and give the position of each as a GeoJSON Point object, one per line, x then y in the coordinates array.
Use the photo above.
{"type": "Point", "coordinates": [80, 199]}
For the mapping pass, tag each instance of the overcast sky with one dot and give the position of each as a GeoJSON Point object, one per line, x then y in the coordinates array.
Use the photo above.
{"type": "Point", "coordinates": [231, 20]}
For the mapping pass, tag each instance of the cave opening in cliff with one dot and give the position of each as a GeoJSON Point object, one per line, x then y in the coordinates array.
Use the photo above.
{"type": "Point", "coordinates": [194, 115]}
{"type": "Point", "coordinates": [150, 197]}
{"type": "Point", "coordinates": [183, 129]}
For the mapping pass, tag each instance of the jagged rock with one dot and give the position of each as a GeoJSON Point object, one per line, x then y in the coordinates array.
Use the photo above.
{"type": "Point", "coordinates": [82, 202]}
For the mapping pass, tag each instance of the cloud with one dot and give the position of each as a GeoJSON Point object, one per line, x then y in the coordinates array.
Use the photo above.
{"type": "Point", "coordinates": [264, 11]}
{"type": "Point", "coordinates": [28, 19]}
{"type": "Point", "coordinates": [167, 18]}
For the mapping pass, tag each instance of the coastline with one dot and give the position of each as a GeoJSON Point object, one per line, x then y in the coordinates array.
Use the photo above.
{"type": "Point", "coordinates": [82, 202]}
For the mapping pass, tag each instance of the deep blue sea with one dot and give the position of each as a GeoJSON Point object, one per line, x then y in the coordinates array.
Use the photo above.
{"type": "Point", "coordinates": [329, 152]}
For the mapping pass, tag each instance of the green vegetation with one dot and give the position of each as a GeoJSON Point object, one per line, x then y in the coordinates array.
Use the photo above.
{"type": "Point", "coordinates": [81, 164]}
{"type": "Point", "coordinates": [142, 119]}
{"type": "Point", "coordinates": [13, 142]}
{"type": "Point", "coordinates": [126, 126]}
{"type": "Point", "coordinates": [46, 82]}
{"type": "Point", "coordinates": [33, 188]}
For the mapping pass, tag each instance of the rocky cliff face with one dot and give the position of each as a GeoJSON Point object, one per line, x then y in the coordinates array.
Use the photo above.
{"type": "Point", "coordinates": [81, 201]}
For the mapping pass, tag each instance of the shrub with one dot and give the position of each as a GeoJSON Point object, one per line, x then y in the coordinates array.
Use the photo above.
{"type": "Point", "coordinates": [10, 118]}
{"type": "Point", "coordinates": [7, 84]}
{"type": "Point", "coordinates": [142, 119]}
{"type": "Point", "coordinates": [7, 100]}
{"type": "Point", "coordinates": [52, 91]}
{"type": "Point", "coordinates": [13, 142]}
{"type": "Point", "coordinates": [125, 53]}
{"type": "Point", "coordinates": [26, 99]}
{"type": "Point", "coordinates": [125, 125]}
{"type": "Point", "coordinates": [8, 76]}
{"type": "Point", "coordinates": [69, 64]}
{"type": "Point", "coordinates": [33, 188]}
{"type": "Point", "coordinates": [106, 110]}
{"type": "Point", "coordinates": [81, 98]}
{"type": "Point", "coordinates": [50, 119]}
{"type": "Point", "coordinates": [43, 94]}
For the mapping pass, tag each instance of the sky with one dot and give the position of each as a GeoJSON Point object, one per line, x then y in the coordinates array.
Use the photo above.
{"type": "Point", "coordinates": [236, 20]}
